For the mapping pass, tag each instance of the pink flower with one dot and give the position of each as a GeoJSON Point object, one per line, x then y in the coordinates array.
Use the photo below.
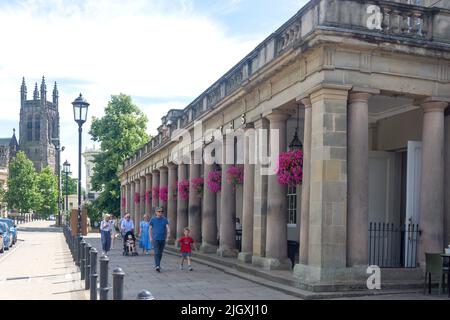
{"type": "Point", "coordinates": [214, 181]}
{"type": "Point", "coordinates": [163, 193]}
{"type": "Point", "coordinates": [155, 193]}
{"type": "Point", "coordinates": [148, 196]}
{"type": "Point", "coordinates": [235, 175]}
{"type": "Point", "coordinates": [290, 167]}
{"type": "Point", "coordinates": [183, 189]}
{"type": "Point", "coordinates": [136, 197]}
{"type": "Point", "coordinates": [198, 185]}
{"type": "Point", "coordinates": [124, 201]}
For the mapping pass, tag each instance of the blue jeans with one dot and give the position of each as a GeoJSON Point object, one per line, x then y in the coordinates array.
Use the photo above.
{"type": "Point", "coordinates": [158, 248]}
{"type": "Point", "coordinates": [106, 240]}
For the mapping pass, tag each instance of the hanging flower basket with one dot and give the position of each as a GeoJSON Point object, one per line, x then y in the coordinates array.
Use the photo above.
{"type": "Point", "coordinates": [163, 193]}
{"type": "Point", "coordinates": [175, 190]}
{"type": "Point", "coordinates": [148, 196]}
{"type": "Point", "coordinates": [235, 175]}
{"type": "Point", "coordinates": [198, 186]}
{"type": "Point", "coordinates": [183, 189]}
{"type": "Point", "coordinates": [136, 197]}
{"type": "Point", "coordinates": [124, 202]}
{"type": "Point", "coordinates": [214, 181]}
{"type": "Point", "coordinates": [290, 167]}
{"type": "Point", "coordinates": [155, 193]}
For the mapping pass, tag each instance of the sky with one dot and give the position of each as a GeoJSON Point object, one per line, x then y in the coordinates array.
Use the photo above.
{"type": "Point", "coordinates": [163, 53]}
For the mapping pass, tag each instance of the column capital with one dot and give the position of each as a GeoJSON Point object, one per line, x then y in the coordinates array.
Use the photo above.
{"type": "Point", "coordinates": [306, 102]}
{"type": "Point", "coordinates": [172, 166]}
{"type": "Point", "coordinates": [434, 104]}
{"type": "Point", "coordinates": [359, 97]}
{"type": "Point", "coordinates": [163, 169]}
{"type": "Point", "coordinates": [277, 115]}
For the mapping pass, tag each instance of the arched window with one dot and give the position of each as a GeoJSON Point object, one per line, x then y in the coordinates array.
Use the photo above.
{"type": "Point", "coordinates": [37, 128]}
{"type": "Point", "coordinates": [30, 128]}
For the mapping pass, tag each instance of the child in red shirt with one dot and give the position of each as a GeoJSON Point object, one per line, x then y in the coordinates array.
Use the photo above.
{"type": "Point", "coordinates": [186, 243]}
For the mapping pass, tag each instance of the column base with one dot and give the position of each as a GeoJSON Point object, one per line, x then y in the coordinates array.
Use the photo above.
{"type": "Point", "coordinates": [171, 241]}
{"type": "Point", "coordinates": [272, 263]}
{"type": "Point", "coordinates": [208, 248]}
{"type": "Point", "coordinates": [332, 276]}
{"type": "Point", "coordinates": [227, 252]}
{"type": "Point", "coordinates": [245, 257]}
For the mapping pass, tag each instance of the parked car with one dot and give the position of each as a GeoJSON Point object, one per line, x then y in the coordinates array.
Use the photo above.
{"type": "Point", "coordinates": [1, 241]}
{"type": "Point", "coordinates": [12, 229]}
{"type": "Point", "coordinates": [4, 229]}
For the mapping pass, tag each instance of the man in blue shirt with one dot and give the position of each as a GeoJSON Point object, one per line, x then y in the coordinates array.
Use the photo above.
{"type": "Point", "coordinates": [159, 231]}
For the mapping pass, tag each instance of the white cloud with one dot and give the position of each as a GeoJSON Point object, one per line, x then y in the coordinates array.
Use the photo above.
{"type": "Point", "coordinates": [103, 47]}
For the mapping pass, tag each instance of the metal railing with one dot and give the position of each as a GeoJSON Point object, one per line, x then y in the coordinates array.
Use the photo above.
{"type": "Point", "coordinates": [393, 246]}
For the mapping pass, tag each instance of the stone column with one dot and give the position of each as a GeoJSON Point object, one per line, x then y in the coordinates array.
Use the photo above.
{"type": "Point", "coordinates": [172, 203]}
{"type": "Point", "coordinates": [182, 205]}
{"type": "Point", "coordinates": [358, 178]}
{"type": "Point", "coordinates": [142, 198]}
{"type": "Point", "coordinates": [132, 204]}
{"type": "Point", "coordinates": [447, 178]}
{"type": "Point", "coordinates": [163, 182]}
{"type": "Point", "coordinates": [260, 192]}
{"type": "Point", "coordinates": [431, 219]}
{"type": "Point", "coordinates": [209, 216]}
{"type": "Point", "coordinates": [155, 183]}
{"type": "Point", "coordinates": [276, 243]}
{"type": "Point", "coordinates": [227, 228]}
{"type": "Point", "coordinates": [137, 206]}
{"type": "Point", "coordinates": [129, 199]}
{"type": "Point", "coordinates": [248, 193]}
{"type": "Point", "coordinates": [327, 243]}
{"type": "Point", "coordinates": [304, 211]}
{"type": "Point", "coordinates": [148, 188]}
{"type": "Point", "coordinates": [194, 213]}
{"type": "Point", "coordinates": [122, 202]}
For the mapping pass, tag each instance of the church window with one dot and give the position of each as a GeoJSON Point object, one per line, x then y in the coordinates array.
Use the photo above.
{"type": "Point", "coordinates": [30, 128]}
{"type": "Point", "coordinates": [37, 128]}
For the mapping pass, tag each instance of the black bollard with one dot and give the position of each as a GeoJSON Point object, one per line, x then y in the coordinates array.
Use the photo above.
{"type": "Point", "coordinates": [118, 276]}
{"type": "Point", "coordinates": [93, 284]}
{"type": "Point", "coordinates": [78, 248]}
{"type": "Point", "coordinates": [104, 261]}
{"type": "Point", "coordinates": [145, 295]}
{"type": "Point", "coordinates": [87, 266]}
{"type": "Point", "coordinates": [83, 259]}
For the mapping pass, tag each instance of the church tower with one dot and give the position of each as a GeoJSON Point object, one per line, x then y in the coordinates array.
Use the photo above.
{"type": "Point", "coordinates": [39, 126]}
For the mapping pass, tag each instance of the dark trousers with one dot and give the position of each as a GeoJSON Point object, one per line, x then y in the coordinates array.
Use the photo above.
{"type": "Point", "coordinates": [158, 247]}
{"type": "Point", "coordinates": [106, 240]}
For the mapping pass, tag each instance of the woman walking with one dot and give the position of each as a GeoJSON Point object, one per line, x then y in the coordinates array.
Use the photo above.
{"type": "Point", "coordinates": [144, 235]}
{"type": "Point", "coordinates": [105, 229]}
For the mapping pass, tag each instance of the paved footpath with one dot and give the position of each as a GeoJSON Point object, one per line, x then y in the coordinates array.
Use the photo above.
{"type": "Point", "coordinates": [204, 283]}
{"type": "Point", "coordinates": [39, 266]}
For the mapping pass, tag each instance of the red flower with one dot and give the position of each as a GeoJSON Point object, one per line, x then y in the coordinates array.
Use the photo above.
{"type": "Point", "coordinates": [290, 167]}
{"type": "Point", "coordinates": [235, 175]}
{"type": "Point", "coordinates": [183, 189]}
{"type": "Point", "coordinates": [197, 185]}
{"type": "Point", "coordinates": [163, 193]}
{"type": "Point", "coordinates": [214, 181]}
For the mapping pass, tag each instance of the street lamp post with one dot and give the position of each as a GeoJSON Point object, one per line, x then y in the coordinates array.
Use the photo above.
{"type": "Point", "coordinates": [66, 170]}
{"type": "Point", "coordinates": [80, 108]}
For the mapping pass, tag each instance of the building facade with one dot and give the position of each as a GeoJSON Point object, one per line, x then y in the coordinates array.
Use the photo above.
{"type": "Point", "coordinates": [372, 82]}
{"type": "Point", "coordinates": [39, 126]}
{"type": "Point", "coordinates": [8, 149]}
{"type": "Point", "coordinates": [88, 156]}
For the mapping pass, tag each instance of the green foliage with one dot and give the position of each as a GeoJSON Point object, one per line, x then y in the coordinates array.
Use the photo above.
{"type": "Point", "coordinates": [47, 186]}
{"type": "Point", "coordinates": [22, 194]}
{"type": "Point", "coordinates": [121, 131]}
{"type": "Point", "coordinates": [72, 184]}
{"type": "Point", "coordinates": [93, 212]}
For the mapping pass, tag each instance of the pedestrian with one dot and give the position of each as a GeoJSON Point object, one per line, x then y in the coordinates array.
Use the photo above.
{"type": "Point", "coordinates": [113, 223]}
{"type": "Point", "coordinates": [125, 226]}
{"type": "Point", "coordinates": [186, 243]}
{"type": "Point", "coordinates": [159, 231]}
{"type": "Point", "coordinates": [144, 235]}
{"type": "Point", "coordinates": [105, 233]}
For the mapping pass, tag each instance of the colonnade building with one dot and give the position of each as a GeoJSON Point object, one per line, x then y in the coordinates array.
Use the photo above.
{"type": "Point", "coordinates": [366, 85]}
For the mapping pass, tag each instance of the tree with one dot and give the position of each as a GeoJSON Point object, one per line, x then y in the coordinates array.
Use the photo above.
{"type": "Point", "coordinates": [121, 131]}
{"type": "Point", "coordinates": [47, 185]}
{"type": "Point", "coordinates": [22, 192]}
{"type": "Point", "coordinates": [72, 184]}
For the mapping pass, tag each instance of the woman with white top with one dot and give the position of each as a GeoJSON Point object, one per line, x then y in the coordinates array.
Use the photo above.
{"type": "Point", "coordinates": [105, 229]}
{"type": "Point", "coordinates": [113, 223]}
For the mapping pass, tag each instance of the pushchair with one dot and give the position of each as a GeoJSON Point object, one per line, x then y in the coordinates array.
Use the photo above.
{"type": "Point", "coordinates": [129, 244]}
